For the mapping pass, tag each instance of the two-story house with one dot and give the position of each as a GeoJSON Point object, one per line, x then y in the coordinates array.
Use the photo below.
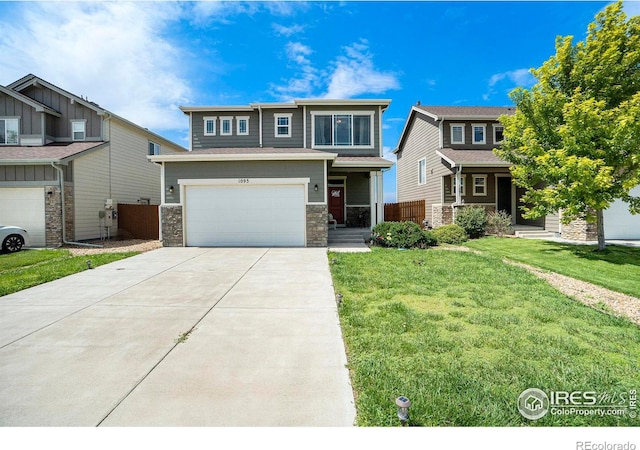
{"type": "Point", "coordinates": [445, 157]}
{"type": "Point", "coordinates": [60, 148]}
{"type": "Point", "coordinates": [272, 174]}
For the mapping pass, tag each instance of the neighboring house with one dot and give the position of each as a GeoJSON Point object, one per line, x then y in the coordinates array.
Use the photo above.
{"type": "Point", "coordinates": [51, 138]}
{"type": "Point", "coordinates": [445, 157]}
{"type": "Point", "coordinates": [269, 174]}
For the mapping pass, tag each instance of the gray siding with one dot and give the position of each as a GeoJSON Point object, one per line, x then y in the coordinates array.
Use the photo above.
{"type": "Point", "coordinates": [60, 127]}
{"type": "Point", "coordinates": [268, 129]}
{"type": "Point", "coordinates": [35, 175]}
{"type": "Point", "coordinates": [469, 198]}
{"type": "Point", "coordinates": [422, 141]}
{"type": "Point", "coordinates": [357, 189]}
{"type": "Point", "coordinates": [346, 151]}
{"type": "Point", "coordinates": [468, 134]}
{"type": "Point", "coordinates": [245, 169]}
{"type": "Point", "coordinates": [91, 188]}
{"type": "Point", "coordinates": [199, 140]}
{"type": "Point", "coordinates": [30, 119]}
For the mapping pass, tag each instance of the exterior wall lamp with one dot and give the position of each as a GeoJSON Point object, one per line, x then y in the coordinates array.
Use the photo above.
{"type": "Point", "coordinates": [170, 189]}
{"type": "Point", "coordinates": [315, 188]}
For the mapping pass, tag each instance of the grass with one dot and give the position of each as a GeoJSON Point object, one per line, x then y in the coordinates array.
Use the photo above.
{"type": "Point", "coordinates": [29, 268]}
{"type": "Point", "coordinates": [617, 268]}
{"type": "Point", "coordinates": [462, 335]}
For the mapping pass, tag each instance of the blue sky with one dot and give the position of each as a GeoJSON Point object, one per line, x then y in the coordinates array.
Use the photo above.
{"type": "Point", "coordinates": [142, 60]}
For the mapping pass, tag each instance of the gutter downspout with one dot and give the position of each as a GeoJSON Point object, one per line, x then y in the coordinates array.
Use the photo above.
{"type": "Point", "coordinates": [64, 222]}
{"type": "Point", "coordinates": [458, 192]}
{"type": "Point", "coordinates": [260, 123]}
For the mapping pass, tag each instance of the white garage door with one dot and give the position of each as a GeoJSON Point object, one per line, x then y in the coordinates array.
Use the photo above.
{"type": "Point", "coordinates": [245, 216]}
{"type": "Point", "coordinates": [24, 207]}
{"type": "Point", "coordinates": [619, 223]}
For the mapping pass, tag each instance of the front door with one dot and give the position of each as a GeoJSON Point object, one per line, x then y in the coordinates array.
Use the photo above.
{"type": "Point", "coordinates": [336, 203]}
{"type": "Point", "coordinates": [504, 195]}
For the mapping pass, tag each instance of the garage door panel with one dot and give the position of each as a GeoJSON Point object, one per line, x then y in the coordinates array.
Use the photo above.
{"type": "Point", "coordinates": [24, 207]}
{"type": "Point", "coordinates": [619, 223]}
{"type": "Point", "coordinates": [245, 216]}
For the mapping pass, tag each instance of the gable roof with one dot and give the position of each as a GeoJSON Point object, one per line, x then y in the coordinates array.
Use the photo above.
{"type": "Point", "coordinates": [441, 113]}
{"type": "Point", "coordinates": [39, 107]}
{"type": "Point", "coordinates": [471, 158]}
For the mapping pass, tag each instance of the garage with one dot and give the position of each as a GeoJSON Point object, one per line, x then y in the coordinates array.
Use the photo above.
{"type": "Point", "coordinates": [24, 207]}
{"type": "Point", "coordinates": [245, 215]}
{"type": "Point", "coordinates": [619, 223]}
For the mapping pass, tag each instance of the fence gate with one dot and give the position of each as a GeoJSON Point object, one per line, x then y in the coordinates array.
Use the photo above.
{"type": "Point", "coordinates": [139, 221]}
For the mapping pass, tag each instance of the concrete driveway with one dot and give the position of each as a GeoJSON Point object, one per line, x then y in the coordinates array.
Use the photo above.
{"type": "Point", "coordinates": [178, 337]}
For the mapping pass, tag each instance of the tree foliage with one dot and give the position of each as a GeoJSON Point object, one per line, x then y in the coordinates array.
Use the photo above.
{"type": "Point", "coordinates": [575, 137]}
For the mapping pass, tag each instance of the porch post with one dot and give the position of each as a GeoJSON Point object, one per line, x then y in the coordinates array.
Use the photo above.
{"type": "Point", "coordinates": [372, 198]}
{"type": "Point", "coordinates": [380, 197]}
{"type": "Point", "coordinates": [458, 192]}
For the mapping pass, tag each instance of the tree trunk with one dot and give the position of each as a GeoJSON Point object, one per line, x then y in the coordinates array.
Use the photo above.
{"type": "Point", "coordinates": [600, 230]}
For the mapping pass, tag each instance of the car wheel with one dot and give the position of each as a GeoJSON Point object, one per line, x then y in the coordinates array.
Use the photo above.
{"type": "Point", "coordinates": [13, 243]}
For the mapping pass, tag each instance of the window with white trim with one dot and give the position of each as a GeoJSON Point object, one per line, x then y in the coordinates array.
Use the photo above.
{"type": "Point", "coordinates": [225, 126]}
{"type": "Point", "coordinates": [78, 130]}
{"type": "Point", "coordinates": [209, 126]}
{"type": "Point", "coordinates": [454, 190]}
{"type": "Point", "coordinates": [282, 124]}
{"type": "Point", "coordinates": [9, 130]}
{"type": "Point", "coordinates": [457, 133]}
{"type": "Point", "coordinates": [479, 133]}
{"type": "Point", "coordinates": [242, 125]}
{"type": "Point", "coordinates": [343, 129]}
{"type": "Point", "coordinates": [154, 148]}
{"type": "Point", "coordinates": [479, 185]}
{"type": "Point", "coordinates": [498, 133]}
{"type": "Point", "coordinates": [422, 171]}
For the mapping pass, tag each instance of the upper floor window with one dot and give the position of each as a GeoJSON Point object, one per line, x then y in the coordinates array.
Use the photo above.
{"type": "Point", "coordinates": [422, 171]}
{"type": "Point", "coordinates": [225, 126]}
{"type": "Point", "coordinates": [283, 125]}
{"type": "Point", "coordinates": [78, 130]}
{"type": "Point", "coordinates": [243, 125]}
{"type": "Point", "coordinates": [343, 129]}
{"type": "Point", "coordinates": [9, 131]}
{"type": "Point", "coordinates": [498, 133]}
{"type": "Point", "coordinates": [479, 133]}
{"type": "Point", "coordinates": [154, 149]}
{"type": "Point", "coordinates": [209, 126]}
{"type": "Point", "coordinates": [457, 133]}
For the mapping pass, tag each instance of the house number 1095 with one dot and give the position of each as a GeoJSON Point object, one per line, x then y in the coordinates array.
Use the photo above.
{"type": "Point", "coordinates": [243, 180]}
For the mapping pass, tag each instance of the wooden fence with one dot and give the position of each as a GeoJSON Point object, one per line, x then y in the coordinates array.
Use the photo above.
{"type": "Point", "coordinates": [405, 211]}
{"type": "Point", "coordinates": [139, 221]}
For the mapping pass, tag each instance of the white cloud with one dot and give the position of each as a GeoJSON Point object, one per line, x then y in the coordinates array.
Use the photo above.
{"type": "Point", "coordinates": [518, 77]}
{"type": "Point", "coordinates": [282, 30]}
{"type": "Point", "coordinates": [354, 74]}
{"type": "Point", "coordinates": [113, 53]}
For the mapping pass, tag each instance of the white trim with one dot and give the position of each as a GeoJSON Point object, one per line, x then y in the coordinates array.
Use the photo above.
{"type": "Point", "coordinates": [497, 125]}
{"type": "Point", "coordinates": [240, 182]}
{"type": "Point", "coordinates": [157, 149]}
{"type": "Point", "coordinates": [449, 160]}
{"type": "Point", "coordinates": [451, 126]}
{"type": "Point", "coordinates": [304, 128]}
{"type": "Point", "coordinates": [277, 116]}
{"type": "Point", "coordinates": [358, 206]}
{"type": "Point", "coordinates": [223, 119]}
{"type": "Point", "coordinates": [484, 133]}
{"type": "Point", "coordinates": [422, 171]}
{"type": "Point", "coordinates": [370, 164]}
{"type": "Point", "coordinates": [380, 149]}
{"type": "Point", "coordinates": [212, 119]}
{"type": "Point", "coordinates": [239, 120]}
{"type": "Point", "coordinates": [344, 187]}
{"type": "Point", "coordinates": [181, 157]}
{"type": "Point", "coordinates": [441, 134]}
{"type": "Point", "coordinates": [463, 182]}
{"type": "Point", "coordinates": [333, 113]}
{"type": "Point", "coordinates": [260, 125]}
{"type": "Point", "coordinates": [84, 129]}
{"type": "Point", "coordinates": [17, 120]}
{"type": "Point", "coordinates": [485, 185]}
{"type": "Point", "coordinates": [190, 131]}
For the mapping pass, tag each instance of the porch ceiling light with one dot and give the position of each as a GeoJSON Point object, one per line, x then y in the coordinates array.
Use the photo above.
{"type": "Point", "coordinates": [403, 404]}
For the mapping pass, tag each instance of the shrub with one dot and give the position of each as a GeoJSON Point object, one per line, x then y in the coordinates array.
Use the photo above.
{"type": "Point", "coordinates": [450, 234]}
{"type": "Point", "coordinates": [499, 223]}
{"type": "Point", "coordinates": [473, 220]}
{"type": "Point", "coordinates": [401, 235]}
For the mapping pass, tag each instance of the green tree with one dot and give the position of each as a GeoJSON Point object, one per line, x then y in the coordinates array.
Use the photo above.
{"type": "Point", "coordinates": [574, 140]}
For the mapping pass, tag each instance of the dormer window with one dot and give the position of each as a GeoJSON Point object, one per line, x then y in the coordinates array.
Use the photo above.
{"type": "Point", "coordinates": [78, 130]}
{"type": "Point", "coordinates": [479, 133]}
{"type": "Point", "coordinates": [457, 133]}
{"type": "Point", "coordinates": [9, 130]}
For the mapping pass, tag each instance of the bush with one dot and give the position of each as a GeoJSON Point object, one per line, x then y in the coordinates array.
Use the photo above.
{"type": "Point", "coordinates": [499, 223]}
{"type": "Point", "coordinates": [401, 235]}
{"type": "Point", "coordinates": [473, 220]}
{"type": "Point", "coordinates": [450, 234]}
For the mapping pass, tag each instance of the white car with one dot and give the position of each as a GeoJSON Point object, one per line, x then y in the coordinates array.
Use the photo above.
{"type": "Point", "coordinates": [12, 239]}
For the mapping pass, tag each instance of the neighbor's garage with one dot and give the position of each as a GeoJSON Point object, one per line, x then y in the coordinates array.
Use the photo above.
{"type": "Point", "coordinates": [24, 207]}
{"type": "Point", "coordinates": [619, 223]}
{"type": "Point", "coordinates": [256, 215]}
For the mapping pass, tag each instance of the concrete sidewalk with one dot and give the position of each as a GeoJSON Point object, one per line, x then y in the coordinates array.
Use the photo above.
{"type": "Point", "coordinates": [178, 337]}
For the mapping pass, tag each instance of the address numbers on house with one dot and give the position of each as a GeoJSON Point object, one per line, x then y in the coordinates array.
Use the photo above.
{"type": "Point", "coordinates": [243, 181]}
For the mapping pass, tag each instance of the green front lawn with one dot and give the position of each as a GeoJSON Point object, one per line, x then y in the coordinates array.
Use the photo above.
{"type": "Point", "coordinates": [463, 335]}
{"type": "Point", "coordinates": [617, 268]}
{"type": "Point", "coordinates": [29, 268]}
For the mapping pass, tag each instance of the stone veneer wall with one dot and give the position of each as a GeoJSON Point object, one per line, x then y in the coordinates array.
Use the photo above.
{"type": "Point", "coordinates": [580, 230]}
{"type": "Point", "coordinates": [441, 215]}
{"type": "Point", "coordinates": [317, 225]}
{"type": "Point", "coordinates": [354, 218]}
{"type": "Point", "coordinates": [53, 215]}
{"type": "Point", "coordinates": [171, 224]}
